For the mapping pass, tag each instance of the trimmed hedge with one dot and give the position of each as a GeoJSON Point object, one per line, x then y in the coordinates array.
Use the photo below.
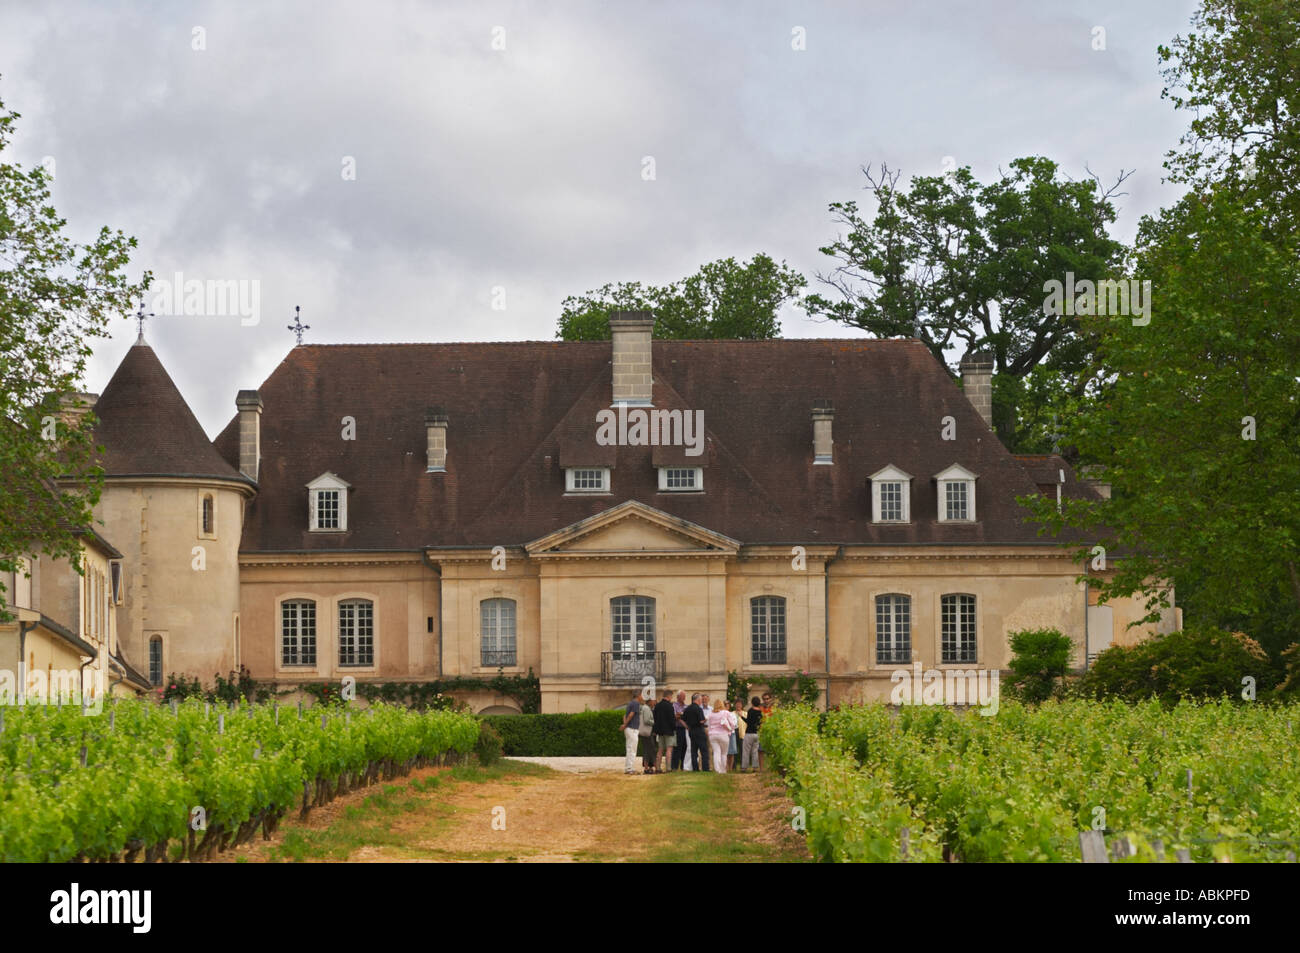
{"type": "Point", "coordinates": [587, 733]}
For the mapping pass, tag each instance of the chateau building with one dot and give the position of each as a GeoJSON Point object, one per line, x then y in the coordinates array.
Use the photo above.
{"type": "Point", "coordinates": [597, 512]}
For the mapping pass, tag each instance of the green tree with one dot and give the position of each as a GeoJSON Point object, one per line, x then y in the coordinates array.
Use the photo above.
{"type": "Point", "coordinates": [1238, 75]}
{"type": "Point", "coordinates": [957, 263]}
{"type": "Point", "coordinates": [1039, 657]}
{"type": "Point", "coordinates": [56, 296]}
{"type": "Point", "coordinates": [723, 300]}
{"type": "Point", "coordinates": [1197, 425]}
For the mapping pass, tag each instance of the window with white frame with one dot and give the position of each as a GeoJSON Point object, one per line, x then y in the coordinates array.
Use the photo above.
{"type": "Point", "coordinates": [957, 621]}
{"type": "Point", "coordinates": [681, 479]}
{"type": "Point", "coordinates": [587, 480]}
{"type": "Point", "coordinates": [891, 490]}
{"type": "Point", "coordinates": [357, 632]}
{"type": "Point", "coordinates": [327, 509]}
{"type": "Point", "coordinates": [893, 629]}
{"type": "Point", "coordinates": [497, 631]}
{"type": "Point", "coordinates": [767, 630]}
{"type": "Point", "coordinates": [956, 495]}
{"type": "Point", "coordinates": [633, 626]}
{"type": "Point", "coordinates": [328, 504]}
{"type": "Point", "coordinates": [955, 502]}
{"type": "Point", "coordinates": [298, 632]}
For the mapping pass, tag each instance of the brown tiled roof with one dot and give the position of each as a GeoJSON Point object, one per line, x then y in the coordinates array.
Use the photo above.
{"type": "Point", "coordinates": [147, 429]}
{"type": "Point", "coordinates": [520, 411]}
{"type": "Point", "coordinates": [1045, 470]}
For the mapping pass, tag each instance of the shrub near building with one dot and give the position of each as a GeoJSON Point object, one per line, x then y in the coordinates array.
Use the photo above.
{"type": "Point", "coordinates": [583, 734]}
{"type": "Point", "coordinates": [1197, 662]}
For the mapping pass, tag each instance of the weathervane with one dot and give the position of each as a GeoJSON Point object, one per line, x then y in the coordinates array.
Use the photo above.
{"type": "Point", "coordinates": [139, 322]}
{"type": "Point", "coordinates": [298, 327]}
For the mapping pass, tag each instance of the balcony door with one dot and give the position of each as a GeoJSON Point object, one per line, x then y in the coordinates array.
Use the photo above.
{"type": "Point", "coordinates": [633, 627]}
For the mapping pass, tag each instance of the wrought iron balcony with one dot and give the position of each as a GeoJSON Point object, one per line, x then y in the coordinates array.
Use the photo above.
{"type": "Point", "coordinates": [498, 658]}
{"type": "Point", "coordinates": [629, 668]}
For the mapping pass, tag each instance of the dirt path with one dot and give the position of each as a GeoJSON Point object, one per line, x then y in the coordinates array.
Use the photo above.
{"type": "Point", "coordinates": [529, 812]}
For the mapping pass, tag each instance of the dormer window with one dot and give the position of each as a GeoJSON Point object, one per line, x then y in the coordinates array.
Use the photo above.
{"type": "Point", "coordinates": [586, 480]}
{"type": "Point", "coordinates": [891, 491]}
{"type": "Point", "coordinates": [681, 479]}
{"type": "Point", "coordinates": [956, 495]}
{"type": "Point", "coordinates": [327, 504]}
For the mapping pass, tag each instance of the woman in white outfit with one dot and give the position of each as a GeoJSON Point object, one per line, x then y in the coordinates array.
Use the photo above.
{"type": "Point", "coordinates": [721, 724]}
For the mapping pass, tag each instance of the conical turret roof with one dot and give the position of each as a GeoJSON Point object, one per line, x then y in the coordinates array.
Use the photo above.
{"type": "Point", "coordinates": [147, 429]}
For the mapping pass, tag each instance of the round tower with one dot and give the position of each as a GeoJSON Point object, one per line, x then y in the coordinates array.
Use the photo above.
{"type": "Point", "coordinates": [174, 507]}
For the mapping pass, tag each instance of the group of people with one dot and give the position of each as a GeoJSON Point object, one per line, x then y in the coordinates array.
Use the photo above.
{"type": "Point", "coordinates": [692, 736]}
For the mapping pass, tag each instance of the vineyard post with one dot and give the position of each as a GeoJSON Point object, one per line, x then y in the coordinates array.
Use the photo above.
{"type": "Point", "coordinates": [221, 722]}
{"type": "Point", "coordinates": [1158, 846]}
{"type": "Point", "coordinates": [207, 709]}
{"type": "Point", "coordinates": [1092, 847]}
{"type": "Point", "coordinates": [1189, 784]}
{"type": "Point", "coordinates": [903, 842]}
{"type": "Point", "coordinates": [1184, 855]}
{"type": "Point", "coordinates": [275, 709]}
{"type": "Point", "coordinates": [112, 718]}
{"type": "Point", "coordinates": [299, 709]}
{"type": "Point", "coordinates": [173, 707]}
{"type": "Point", "coordinates": [323, 719]}
{"type": "Point", "coordinates": [1290, 857]}
{"type": "Point", "coordinates": [82, 755]}
{"type": "Point", "coordinates": [2, 721]}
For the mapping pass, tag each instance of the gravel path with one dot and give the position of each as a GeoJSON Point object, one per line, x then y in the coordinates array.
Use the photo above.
{"type": "Point", "coordinates": [581, 765]}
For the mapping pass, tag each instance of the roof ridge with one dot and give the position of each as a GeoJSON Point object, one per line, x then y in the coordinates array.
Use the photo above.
{"type": "Point", "coordinates": [606, 342]}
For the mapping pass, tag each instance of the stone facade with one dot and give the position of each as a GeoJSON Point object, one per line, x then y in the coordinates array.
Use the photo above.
{"type": "Point", "coordinates": [454, 513]}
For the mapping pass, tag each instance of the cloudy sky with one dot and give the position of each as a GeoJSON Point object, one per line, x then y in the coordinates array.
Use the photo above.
{"type": "Point", "coordinates": [396, 169]}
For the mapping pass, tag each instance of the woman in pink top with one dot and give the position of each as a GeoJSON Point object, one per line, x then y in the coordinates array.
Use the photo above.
{"type": "Point", "coordinates": [721, 724]}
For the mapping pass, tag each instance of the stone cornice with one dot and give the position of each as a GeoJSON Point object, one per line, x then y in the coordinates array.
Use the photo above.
{"type": "Point", "coordinates": [273, 560]}
{"type": "Point", "coordinates": [948, 555]}
{"type": "Point", "coordinates": [635, 554]}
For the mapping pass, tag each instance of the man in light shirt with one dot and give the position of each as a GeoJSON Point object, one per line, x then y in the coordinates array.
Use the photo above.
{"type": "Point", "coordinates": [631, 724]}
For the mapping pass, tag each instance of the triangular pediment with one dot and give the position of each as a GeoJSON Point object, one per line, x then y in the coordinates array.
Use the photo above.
{"type": "Point", "coordinates": [633, 529]}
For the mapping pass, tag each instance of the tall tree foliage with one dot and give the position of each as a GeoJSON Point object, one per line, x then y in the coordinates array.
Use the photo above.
{"type": "Point", "coordinates": [1237, 74]}
{"type": "Point", "coordinates": [1197, 424]}
{"type": "Point", "coordinates": [56, 296]}
{"type": "Point", "coordinates": [724, 299]}
{"type": "Point", "coordinates": [958, 263]}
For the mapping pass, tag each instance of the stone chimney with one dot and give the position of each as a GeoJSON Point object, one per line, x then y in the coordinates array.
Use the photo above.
{"type": "Point", "coordinates": [249, 404]}
{"type": "Point", "coordinates": [1090, 475]}
{"type": "Point", "coordinates": [74, 406]}
{"type": "Point", "coordinates": [631, 331]}
{"type": "Point", "coordinates": [435, 426]}
{"type": "Point", "coordinates": [977, 382]}
{"type": "Point", "coordinates": [823, 415]}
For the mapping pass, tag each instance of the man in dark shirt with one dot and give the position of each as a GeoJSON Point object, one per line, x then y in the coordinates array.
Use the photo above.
{"type": "Point", "coordinates": [697, 725]}
{"type": "Point", "coordinates": [665, 722]}
{"type": "Point", "coordinates": [679, 751]}
{"type": "Point", "coordinates": [749, 758]}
